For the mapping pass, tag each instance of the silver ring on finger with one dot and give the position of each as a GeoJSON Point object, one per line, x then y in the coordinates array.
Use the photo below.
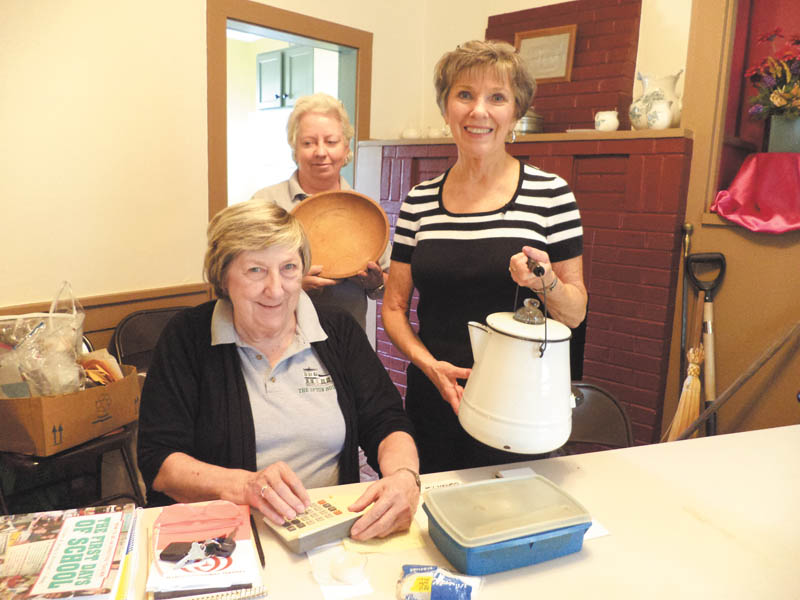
{"type": "Point", "coordinates": [263, 488]}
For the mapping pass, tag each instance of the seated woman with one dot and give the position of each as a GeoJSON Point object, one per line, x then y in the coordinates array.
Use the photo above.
{"type": "Point", "coordinates": [257, 396]}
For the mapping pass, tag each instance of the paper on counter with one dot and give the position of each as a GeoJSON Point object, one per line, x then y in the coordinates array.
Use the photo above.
{"type": "Point", "coordinates": [443, 483]}
{"type": "Point", "coordinates": [321, 560]}
{"type": "Point", "coordinates": [595, 531]}
{"type": "Point", "coordinates": [518, 472]}
{"type": "Point", "coordinates": [402, 540]}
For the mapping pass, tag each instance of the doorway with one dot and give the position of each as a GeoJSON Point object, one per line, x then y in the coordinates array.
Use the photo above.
{"type": "Point", "coordinates": [267, 71]}
{"type": "Point", "coordinates": [355, 55]}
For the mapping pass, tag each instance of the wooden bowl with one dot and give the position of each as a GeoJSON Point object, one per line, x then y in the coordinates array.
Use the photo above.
{"type": "Point", "coordinates": [345, 229]}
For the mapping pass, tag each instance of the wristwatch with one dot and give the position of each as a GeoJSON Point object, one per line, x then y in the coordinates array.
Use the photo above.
{"type": "Point", "coordinates": [414, 473]}
{"type": "Point", "coordinates": [375, 291]}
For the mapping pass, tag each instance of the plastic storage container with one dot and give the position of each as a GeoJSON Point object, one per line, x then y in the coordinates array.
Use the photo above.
{"type": "Point", "coordinates": [501, 524]}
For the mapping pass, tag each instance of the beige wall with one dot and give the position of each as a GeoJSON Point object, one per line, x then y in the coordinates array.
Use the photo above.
{"type": "Point", "coordinates": [103, 168]}
{"type": "Point", "coordinates": [103, 160]}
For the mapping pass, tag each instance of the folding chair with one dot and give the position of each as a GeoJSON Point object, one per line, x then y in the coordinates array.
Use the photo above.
{"type": "Point", "coordinates": [135, 337]}
{"type": "Point", "coordinates": [599, 421]}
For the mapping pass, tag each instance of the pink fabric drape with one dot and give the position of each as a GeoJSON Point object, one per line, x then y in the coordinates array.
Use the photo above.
{"type": "Point", "coordinates": [765, 194]}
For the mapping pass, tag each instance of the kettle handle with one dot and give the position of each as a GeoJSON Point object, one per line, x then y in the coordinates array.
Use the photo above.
{"type": "Point", "coordinates": [478, 333]}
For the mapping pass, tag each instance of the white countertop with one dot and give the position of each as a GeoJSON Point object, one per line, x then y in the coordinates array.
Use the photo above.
{"type": "Point", "coordinates": [703, 518]}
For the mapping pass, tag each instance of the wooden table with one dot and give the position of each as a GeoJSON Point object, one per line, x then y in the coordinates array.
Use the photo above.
{"type": "Point", "coordinates": [705, 518]}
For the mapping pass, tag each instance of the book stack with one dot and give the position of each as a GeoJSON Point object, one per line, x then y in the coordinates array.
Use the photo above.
{"type": "Point", "coordinates": [237, 575]}
{"type": "Point", "coordinates": [86, 552]}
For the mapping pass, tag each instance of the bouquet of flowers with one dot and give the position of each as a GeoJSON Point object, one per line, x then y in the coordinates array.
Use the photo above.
{"type": "Point", "coordinates": [777, 79]}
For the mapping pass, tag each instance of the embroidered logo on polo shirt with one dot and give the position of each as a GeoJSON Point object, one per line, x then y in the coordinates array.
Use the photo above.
{"type": "Point", "coordinates": [316, 381]}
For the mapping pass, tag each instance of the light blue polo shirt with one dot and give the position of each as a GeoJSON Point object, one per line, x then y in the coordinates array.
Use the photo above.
{"type": "Point", "coordinates": [295, 408]}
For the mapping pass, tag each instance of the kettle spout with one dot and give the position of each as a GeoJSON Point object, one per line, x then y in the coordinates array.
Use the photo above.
{"type": "Point", "coordinates": [478, 334]}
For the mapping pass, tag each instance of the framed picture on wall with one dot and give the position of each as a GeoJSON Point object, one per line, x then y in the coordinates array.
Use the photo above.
{"type": "Point", "coordinates": [548, 52]}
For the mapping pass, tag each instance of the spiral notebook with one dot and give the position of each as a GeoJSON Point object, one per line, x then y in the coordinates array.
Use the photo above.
{"type": "Point", "coordinates": [224, 577]}
{"type": "Point", "coordinates": [240, 594]}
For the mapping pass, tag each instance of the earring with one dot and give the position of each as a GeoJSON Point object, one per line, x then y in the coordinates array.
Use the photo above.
{"type": "Point", "coordinates": [513, 136]}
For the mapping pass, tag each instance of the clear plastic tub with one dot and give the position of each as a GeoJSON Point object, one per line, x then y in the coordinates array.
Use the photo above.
{"type": "Point", "coordinates": [501, 524]}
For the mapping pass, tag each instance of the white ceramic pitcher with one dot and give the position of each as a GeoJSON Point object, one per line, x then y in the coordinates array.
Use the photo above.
{"type": "Point", "coordinates": [660, 115]}
{"type": "Point", "coordinates": [655, 89]}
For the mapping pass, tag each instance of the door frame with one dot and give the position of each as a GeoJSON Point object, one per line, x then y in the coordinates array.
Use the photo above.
{"type": "Point", "coordinates": [217, 14]}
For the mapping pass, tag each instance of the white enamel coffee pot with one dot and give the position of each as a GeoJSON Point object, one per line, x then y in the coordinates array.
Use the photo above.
{"type": "Point", "coordinates": [518, 397]}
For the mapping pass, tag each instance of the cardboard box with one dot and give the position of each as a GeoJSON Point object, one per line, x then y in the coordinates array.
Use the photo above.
{"type": "Point", "coordinates": [45, 425]}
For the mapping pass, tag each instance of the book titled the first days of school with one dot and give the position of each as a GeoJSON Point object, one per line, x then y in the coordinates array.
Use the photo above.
{"type": "Point", "coordinates": [65, 553]}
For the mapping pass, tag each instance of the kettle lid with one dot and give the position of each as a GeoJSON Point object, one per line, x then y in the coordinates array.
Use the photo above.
{"type": "Point", "coordinates": [505, 323]}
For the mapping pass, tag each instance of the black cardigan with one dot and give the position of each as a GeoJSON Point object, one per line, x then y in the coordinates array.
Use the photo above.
{"type": "Point", "coordinates": [195, 399]}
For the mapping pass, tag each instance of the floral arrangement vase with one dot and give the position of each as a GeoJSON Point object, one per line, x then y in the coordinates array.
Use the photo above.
{"type": "Point", "coordinates": [784, 135]}
{"type": "Point", "coordinates": [656, 89]}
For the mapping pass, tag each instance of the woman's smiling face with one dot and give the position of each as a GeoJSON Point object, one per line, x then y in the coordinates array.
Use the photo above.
{"type": "Point", "coordinates": [264, 287]}
{"type": "Point", "coordinates": [480, 112]}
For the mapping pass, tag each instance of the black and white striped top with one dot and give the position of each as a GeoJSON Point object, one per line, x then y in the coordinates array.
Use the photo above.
{"type": "Point", "coordinates": [459, 262]}
{"type": "Point", "coordinates": [543, 212]}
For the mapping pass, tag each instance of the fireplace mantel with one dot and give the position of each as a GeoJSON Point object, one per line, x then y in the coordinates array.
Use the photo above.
{"type": "Point", "coordinates": [572, 136]}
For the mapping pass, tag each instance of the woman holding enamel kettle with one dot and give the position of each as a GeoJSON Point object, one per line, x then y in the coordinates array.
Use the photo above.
{"type": "Point", "coordinates": [464, 239]}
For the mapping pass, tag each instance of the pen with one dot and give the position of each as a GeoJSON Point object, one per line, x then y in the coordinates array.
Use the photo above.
{"type": "Point", "coordinates": [149, 556]}
{"type": "Point", "coordinates": [257, 540]}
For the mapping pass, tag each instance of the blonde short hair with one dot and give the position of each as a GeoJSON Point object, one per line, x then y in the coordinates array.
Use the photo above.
{"type": "Point", "coordinates": [478, 55]}
{"type": "Point", "coordinates": [249, 226]}
{"type": "Point", "coordinates": [323, 104]}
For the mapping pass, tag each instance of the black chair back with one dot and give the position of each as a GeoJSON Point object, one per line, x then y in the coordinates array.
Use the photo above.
{"type": "Point", "coordinates": [135, 337]}
{"type": "Point", "coordinates": [599, 421]}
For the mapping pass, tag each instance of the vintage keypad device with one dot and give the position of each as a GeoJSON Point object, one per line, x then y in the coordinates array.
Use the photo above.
{"type": "Point", "coordinates": [322, 522]}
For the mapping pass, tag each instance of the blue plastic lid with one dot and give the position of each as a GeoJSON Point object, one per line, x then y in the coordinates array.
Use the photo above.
{"type": "Point", "coordinates": [496, 510]}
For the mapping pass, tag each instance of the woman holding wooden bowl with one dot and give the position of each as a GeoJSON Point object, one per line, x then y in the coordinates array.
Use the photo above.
{"type": "Point", "coordinates": [319, 133]}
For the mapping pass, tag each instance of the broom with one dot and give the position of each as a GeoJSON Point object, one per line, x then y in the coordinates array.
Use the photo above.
{"type": "Point", "coordinates": [689, 404]}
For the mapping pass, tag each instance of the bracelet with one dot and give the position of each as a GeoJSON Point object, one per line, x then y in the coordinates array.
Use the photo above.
{"type": "Point", "coordinates": [414, 473]}
{"type": "Point", "coordinates": [550, 287]}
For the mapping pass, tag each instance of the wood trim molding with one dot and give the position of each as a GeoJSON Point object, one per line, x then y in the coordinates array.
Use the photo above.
{"type": "Point", "coordinates": [218, 12]}
{"type": "Point", "coordinates": [117, 298]}
{"type": "Point", "coordinates": [708, 65]}
{"type": "Point", "coordinates": [103, 312]}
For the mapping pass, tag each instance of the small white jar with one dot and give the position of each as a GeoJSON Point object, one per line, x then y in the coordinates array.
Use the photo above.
{"type": "Point", "coordinates": [606, 120]}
